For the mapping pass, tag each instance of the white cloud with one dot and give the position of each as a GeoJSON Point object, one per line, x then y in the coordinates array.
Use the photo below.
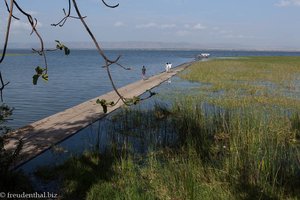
{"type": "Point", "coordinates": [119, 24]}
{"type": "Point", "coordinates": [156, 25]}
{"type": "Point", "coordinates": [33, 13]}
{"type": "Point", "coordinates": [194, 27]}
{"type": "Point", "coordinates": [199, 27]}
{"type": "Point", "coordinates": [18, 25]}
{"type": "Point", "coordinates": [148, 25]}
{"type": "Point", "coordinates": [285, 3]}
{"type": "Point", "coordinates": [165, 26]}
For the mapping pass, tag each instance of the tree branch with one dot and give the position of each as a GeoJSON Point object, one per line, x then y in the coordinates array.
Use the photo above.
{"type": "Point", "coordinates": [7, 7]}
{"type": "Point", "coordinates": [33, 23]}
{"type": "Point", "coordinates": [62, 22]}
{"type": "Point", "coordinates": [43, 72]}
{"type": "Point", "coordinates": [114, 6]}
{"type": "Point", "coordinates": [2, 86]}
{"type": "Point", "coordinates": [7, 30]}
{"type": "Point", "coordinates": [100, 51]}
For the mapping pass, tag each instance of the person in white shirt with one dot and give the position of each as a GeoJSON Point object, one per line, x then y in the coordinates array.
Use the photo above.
{"type": "Point", "coordinates": [167, 67]}
{"type": "Point", "coordinates": [170, 66]}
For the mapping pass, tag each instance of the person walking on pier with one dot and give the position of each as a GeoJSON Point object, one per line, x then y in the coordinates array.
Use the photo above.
{"type": "Point", "coordinates": [170, 66]}
{"type": "Point", "coordinates": [167, 67]}
{"type": "Point", "coordinates": [144, 72]}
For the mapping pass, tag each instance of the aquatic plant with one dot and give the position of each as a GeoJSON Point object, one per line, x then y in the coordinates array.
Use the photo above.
{"type": "Point", "coordinates": [265, 80]}
{"type": "Point", "coordinates": [217, 153]}
{"type": "Point", "coordinates": [241, 143]}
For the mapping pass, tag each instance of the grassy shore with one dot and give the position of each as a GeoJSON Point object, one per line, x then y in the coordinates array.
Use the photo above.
{"type": "Point", "coordinates": [16, 54]}
{"type": "Point", "coordinates": [249, 81]}
{"type": "Point", "coordinates": [237, 138]}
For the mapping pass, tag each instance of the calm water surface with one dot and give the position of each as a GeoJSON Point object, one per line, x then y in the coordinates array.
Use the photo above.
{"type": "Point", "coordinates": [73, 79]}
{"type": "Point", "coordinates": [79, 77]}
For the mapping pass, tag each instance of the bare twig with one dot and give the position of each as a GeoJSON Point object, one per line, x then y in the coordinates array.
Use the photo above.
{"type": "Point", "coordinates": [33, 22]}
{"type": "Point", "coordinates": [2, 86]}
{"type": "Point", "coordinates": [67, 15]}
{"type": "Point", "coordinates": [7, 30]}
{"type": "Point", "coordinates": [126, 68]}
{"type": "Point", "coordinates": [116, 63]}
{"type": "Point", "coordinates": [7, 7]}
{"type": "Point", "coordinates": [100, 51]}
{"type": "Point", "coordinates": [114, 6]}
{"type": "Point", "coordinates": [108, 63]}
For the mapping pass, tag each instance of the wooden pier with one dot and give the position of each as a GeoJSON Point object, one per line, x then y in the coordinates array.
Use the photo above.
{"type": "Point", "coordinates": [41, 135]}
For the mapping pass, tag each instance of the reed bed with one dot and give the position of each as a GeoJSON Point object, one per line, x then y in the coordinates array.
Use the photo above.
{"type": "Point", "coordinates": [229, 144]}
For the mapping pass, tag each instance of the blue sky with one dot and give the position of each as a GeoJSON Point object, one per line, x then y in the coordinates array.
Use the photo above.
{"type": "Point", "coordinates": [253, 24]}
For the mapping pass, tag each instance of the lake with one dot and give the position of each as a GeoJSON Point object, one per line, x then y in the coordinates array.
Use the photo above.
{"type": "Point", "coordinates": [79, 77]}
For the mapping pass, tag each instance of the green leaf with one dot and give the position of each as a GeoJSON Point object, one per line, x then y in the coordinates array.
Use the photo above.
{"type": "Point", "coordinates": [35, 79]}
{"type": "Point", "coordinates": [45, 77]}
{"type": "Point", "coordinates": [103, 103]}
{"type": "Point", "coordinates": [135, 100]}
{"type": "Point", "coordinates": [67, 50]}
{"type": "Point", "coordinates": [59, 47]}
{"type": "Point", "coordinates": [39, 70]}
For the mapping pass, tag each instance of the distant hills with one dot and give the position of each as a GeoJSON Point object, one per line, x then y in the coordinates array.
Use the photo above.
{"type": "Point", "coordinates": [114, 45]}
{"type": "Point", "coordinates": [154, 45]}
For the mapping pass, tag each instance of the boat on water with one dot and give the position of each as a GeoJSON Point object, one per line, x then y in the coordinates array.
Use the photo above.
{"type": "Point", "coordinates": [202, 55]}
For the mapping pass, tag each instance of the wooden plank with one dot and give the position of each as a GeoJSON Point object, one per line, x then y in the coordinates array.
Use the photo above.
{"type": "Point", "coordinates": [41, 135]}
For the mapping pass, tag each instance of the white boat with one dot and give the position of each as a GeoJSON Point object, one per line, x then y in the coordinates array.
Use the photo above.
{"type": "Point", "coordinates": [202, 55]}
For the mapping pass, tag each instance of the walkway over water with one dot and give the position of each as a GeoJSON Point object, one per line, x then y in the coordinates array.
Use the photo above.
{"type": "Point", "coordinates": [41, 135]}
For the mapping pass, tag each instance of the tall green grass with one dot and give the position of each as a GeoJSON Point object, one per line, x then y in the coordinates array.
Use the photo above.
{"type": "Point", "coordinates": [218, 154]}
{"type": "Point", "coordinates": [252, 80]}
{"type": "Point", "coordinates": [239, 140]}
{"type": "Point", "coordinates": [255, 148]}
{"type": "Point", "coordinates": [278, 70]}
